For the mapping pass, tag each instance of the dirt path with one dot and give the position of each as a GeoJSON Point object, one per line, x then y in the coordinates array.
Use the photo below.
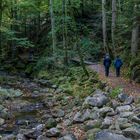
{"type": "Point", "coordinates": [113, 81]}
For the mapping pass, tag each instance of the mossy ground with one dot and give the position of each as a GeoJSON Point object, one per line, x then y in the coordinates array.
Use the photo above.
{"type": "Point", "coordinates": [73, 81]}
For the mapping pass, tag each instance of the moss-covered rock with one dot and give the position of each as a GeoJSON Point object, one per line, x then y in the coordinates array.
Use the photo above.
{"type": "Point", "coordinates": [135, 70]}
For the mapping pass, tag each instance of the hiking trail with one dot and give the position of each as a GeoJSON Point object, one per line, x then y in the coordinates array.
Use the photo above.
{"type": "Point", "coordinates": [128, 87]}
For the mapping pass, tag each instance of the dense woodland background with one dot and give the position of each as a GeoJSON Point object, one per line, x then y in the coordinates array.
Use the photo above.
{"type": "Point", "coordinates": [40, 35]}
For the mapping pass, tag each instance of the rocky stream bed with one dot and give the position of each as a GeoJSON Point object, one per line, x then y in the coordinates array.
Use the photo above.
{"type": "Point", "coordinates": [32, 109]}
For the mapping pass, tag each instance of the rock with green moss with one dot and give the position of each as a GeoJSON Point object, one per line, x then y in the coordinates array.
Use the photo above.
{"type": "Point", "coordinates": [91, 133]}
{"type": "Point", "coordinates": [1, 121]}
{"type": "Point", "coordinates": [91, 124]}
{"type": "Point", "coordinates": [105, 135]}
{"type": "Point", "coordinates": [11, 93]}
{"type": "Point", "coordinates": [51, 123]}
{"type": "Point", "coordinates": [132, 132]}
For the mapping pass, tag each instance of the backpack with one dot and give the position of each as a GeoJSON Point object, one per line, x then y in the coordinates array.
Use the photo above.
{"type": "Point", "coordinates": [118, 63]}
{"type": "Point", "coordinates": [107, 62]}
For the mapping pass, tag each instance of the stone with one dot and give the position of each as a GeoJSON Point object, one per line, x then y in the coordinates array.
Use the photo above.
{"type": "Point", "coordinates": [45, 83]}
{"type": "Point", "coordinates": [81, 116]}
{"type": "Point", "coordinates": [68, 137]}
{"type": "Point", "coordinates": [91, 133]}
{"type": "Point", "coordinates": [129, 100]}
{"type": "Point", "coordinates": [124, 108]}
{"type": "Point", "coordinates": [97, 100]}
{"type": "Point", "coordinates": [2, 121]}
{"type": "Point", "coordinates": [1, 107]}
{"type": "Point", "coordinates": [58, 113]}
{"type": "Point", "coordinates": [122, 97]}
{"type": "Point", "coordinates": [107, 122]}
{"type": "Point", "coordinates": [50, 123]}
{"type": "Point", "coordinates": [9, 137]}
{"type": "Point", "coordinates": [41, 137]}
{"type": "Point", "coordinates": [119, 121]}
{"type": "Point", "coordinates": [126, 114]}
{"type": "Point", "coordinates": [30, 133]}
{"type": "Point", "coordinates": [20, 137]}
{"type": "Point", "coordinates": [132, 132]}
{"type": "Point", "coordinates": [108, 89]}
{"type": "Point", "coordinates": [53, 132]}
{"type": "Point", "coordinates": [58, 91]}
{"type": "Point", "coordinates": [92, 124]}
{"type": "Point", "coordinates": [125, 125]}
{"type": "Point", "coordinates": [10, 93]}
{"type": "Point", "coordinates": [103, 111]}
{"type": "Point", "coordinates": [114, 104]}
{"type": "Point", "coordinates": [135, 119]}
{"type": "Point", "coordinates": [39, 127]}
{"type": "Point", "coordinates": [94, 113]}
{"type": "Point", "coordinates": [104, 135]}
{"type": "Point", "coordinates": [54, 86]}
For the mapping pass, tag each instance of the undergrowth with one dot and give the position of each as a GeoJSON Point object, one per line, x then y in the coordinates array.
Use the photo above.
{"type": "Point", "coordinates": [115, 92]}
{"type": "Point", "coordinates": [73, 81]}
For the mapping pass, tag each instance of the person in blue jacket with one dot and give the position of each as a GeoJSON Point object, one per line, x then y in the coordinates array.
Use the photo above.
{"type": "Point", "coordinates": [118, 64]}
{"type": "Point", "coordinates": [107, 64]}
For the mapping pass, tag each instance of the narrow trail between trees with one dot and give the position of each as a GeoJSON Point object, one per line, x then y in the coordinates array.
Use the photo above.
{"type": "Point", "coordinates": [128, 87]}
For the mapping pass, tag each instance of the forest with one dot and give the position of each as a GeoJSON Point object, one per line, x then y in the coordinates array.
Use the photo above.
{"type": "Point", "coordinates": [54, 82]}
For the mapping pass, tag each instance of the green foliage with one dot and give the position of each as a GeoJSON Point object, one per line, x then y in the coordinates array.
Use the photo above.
{"type": "Point", "coordinates": [49, 63]}
{"type": "Point", "coordinates": [115, 92]}
{"type": "Point", "coordinates": [135, 69]}
{"type": "Point", "coordinates": [23, 42]}
{"type": "Point", "coordinates": [26, 24]}
{"type": "Point", "coordinates": [90, 48]}
{"type": "Point", "coordinates": [73, 81]}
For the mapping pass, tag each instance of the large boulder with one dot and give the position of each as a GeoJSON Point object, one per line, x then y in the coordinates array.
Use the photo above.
{"type": "Point", "coordinates": [97, 100]}
{"type": "Point", "coordinates": [132, 132]}
{"type": "Point", "coordinates": [104, 135]}
{"type": "Point", "coordinates": [68, 137]}
{"type": "Point", "coordinates": [123, 108]}
{"type": "Point", "coordinates": [122, 97]}
{"type": "Point", "coordinates": [9, 93]}
{"type": "Point", "coordinates": [103, 111]}
{"type": "Point", "coordinates": [53, 132]}
{"type": "Point", "coordinates": [135, 69]}
{"type": "Point", "coordinates": [82, 116]}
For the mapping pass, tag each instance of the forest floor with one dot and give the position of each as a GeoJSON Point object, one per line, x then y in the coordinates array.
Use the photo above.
{"type": "Point", "coordinates": [128, 87]}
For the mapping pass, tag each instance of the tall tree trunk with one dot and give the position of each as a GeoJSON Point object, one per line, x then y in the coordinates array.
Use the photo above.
{"type": "Point", "coordinates": [0, 27]}
{"type": "Point", "coordinates": [53, 27]}
{"type": "Point", "coordinates": [104, 25]}
{"type": "Point", "coordinates": [134, 40]}
{"type": "Point", "coordinates": [65, 46]}
{"type": "Point", "coordinates": [14, 26]}
{"type": "Point", "coordinates": [113, 23]}
{"type": "Point", "coordinates": [38, 26]}
{"type": "Point", "coordinates": [82, 60]}
{"type": "Point", "coordinates": [135, 33]}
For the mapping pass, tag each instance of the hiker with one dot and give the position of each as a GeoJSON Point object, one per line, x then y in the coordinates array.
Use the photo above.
{"type": "Point", "coordinates": [118, 64]}
{"type": "Point", "coordinates": [107, 63]}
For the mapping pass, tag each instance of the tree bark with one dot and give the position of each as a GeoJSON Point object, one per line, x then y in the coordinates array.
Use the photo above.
{"type": "Point", "coordinates": [134, 40]}
{"type": "Point", "coordinates": [113, 23]}
{"type": "Point", "coordinates": [0, 27]}
{"type": "Point", "coordinates": [64, 7]}
{"type": "Point", "coordinates": [104, 25]}
{"type": "Point", "coordinates": [14, 26]}
{"type": "Point", "coordinates": [135, 33]}
{"type": "Point", "coordinates": [53, 27]}
{"type": "Point", "coordinates": [81, 59]}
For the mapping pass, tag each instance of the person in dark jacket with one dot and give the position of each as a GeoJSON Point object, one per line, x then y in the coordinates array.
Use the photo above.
{"type": "Point", "coordinates": [118, 64]}
{"type": "Point", "coordinates": [107, 63]}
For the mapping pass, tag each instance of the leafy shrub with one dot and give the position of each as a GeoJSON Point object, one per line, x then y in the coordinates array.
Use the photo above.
{"type": "Point", "coordinates": [115, 92]}
{"type": "Point", "coordinates": [73, 81]}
